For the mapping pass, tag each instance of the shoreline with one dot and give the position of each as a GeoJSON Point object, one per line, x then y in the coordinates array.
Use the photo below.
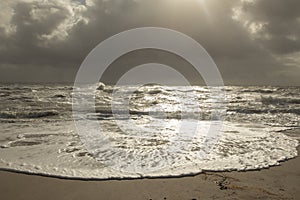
{"type": "Point", "coordinates": [142, 178]}
{"type": "Point", "coordinates": [277, 182]}
{"type": "Point", "coordinates": [293, 132]}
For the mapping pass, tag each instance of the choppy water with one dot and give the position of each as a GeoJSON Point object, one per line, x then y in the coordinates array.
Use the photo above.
{"type": "Point", "coordinates": [38, 135]}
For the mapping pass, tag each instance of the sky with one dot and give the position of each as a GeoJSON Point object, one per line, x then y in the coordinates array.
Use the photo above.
{"type": "Point", "coordinates": [253, 42]}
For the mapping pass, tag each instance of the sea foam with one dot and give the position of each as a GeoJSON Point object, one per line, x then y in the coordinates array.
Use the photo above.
{"type": "Point", "coordinates": [57, 152]}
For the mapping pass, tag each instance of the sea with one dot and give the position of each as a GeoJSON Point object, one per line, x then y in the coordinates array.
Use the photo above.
{"type": "Point", "coordinates": [165, 131]}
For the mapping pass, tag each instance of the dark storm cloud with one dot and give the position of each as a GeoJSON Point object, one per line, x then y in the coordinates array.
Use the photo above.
{"type": "Point", "coordinates": [37, 36]}
{"type": "Point", "coordinates": [280, 21]}
{"type": "Point", "coordinates": [28, 44]}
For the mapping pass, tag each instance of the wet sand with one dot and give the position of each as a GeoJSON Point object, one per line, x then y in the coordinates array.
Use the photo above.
{"type": "Point", "coordinates": [279, 182]}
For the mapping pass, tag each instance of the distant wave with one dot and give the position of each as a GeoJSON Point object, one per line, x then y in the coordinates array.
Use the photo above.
{"type": "Point", "coordinates": [272, 100]}
{"type": "Point", "coordinates": [265, 111]}
{"type": "Point", "coordinates": [263, 91]}
{"type": "Point", "coordinates": [107, 113]}
{"type": "Point", "coordinates": [59, 96]}
{"type": "Point", "coordinates": [32, 114]}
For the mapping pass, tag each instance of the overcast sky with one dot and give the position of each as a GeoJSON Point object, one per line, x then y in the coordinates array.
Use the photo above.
{"type": "Point", "coordinates": [252, 41]}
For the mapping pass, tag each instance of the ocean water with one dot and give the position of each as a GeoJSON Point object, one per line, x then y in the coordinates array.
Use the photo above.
{"type": "Point", "coordinates": [157, 136]}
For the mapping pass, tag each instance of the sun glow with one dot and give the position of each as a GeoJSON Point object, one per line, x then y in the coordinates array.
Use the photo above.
{"type": "Point", "coordinates": [203, 4]}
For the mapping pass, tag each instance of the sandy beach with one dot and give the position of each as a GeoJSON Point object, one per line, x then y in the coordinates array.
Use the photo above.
{"type": "Point", "coordinates": [279, 182]}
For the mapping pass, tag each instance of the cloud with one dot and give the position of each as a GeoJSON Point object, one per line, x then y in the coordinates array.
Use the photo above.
{"type": "Point", "coordinates": [275, 24]}
{"type": "Point", "coordinates": [31, 29]}
{"type": "Point", "coordinates": [251, 43]}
